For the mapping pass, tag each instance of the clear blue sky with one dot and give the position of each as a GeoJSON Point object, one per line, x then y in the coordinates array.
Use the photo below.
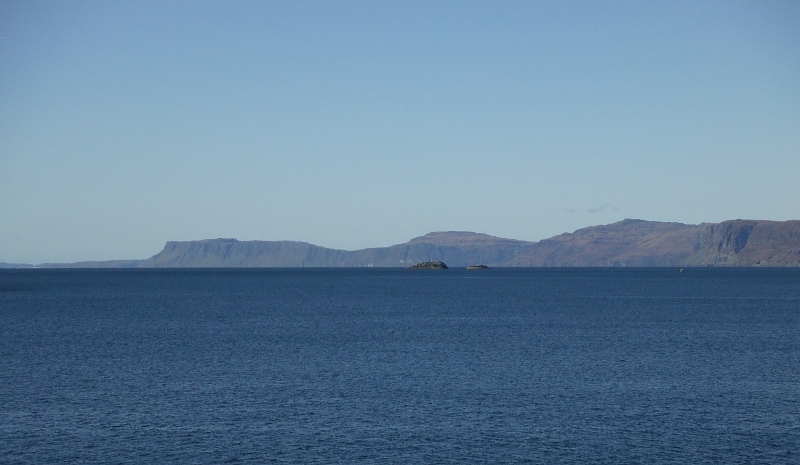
{"type": "Point", "coordinates": [125, 124]}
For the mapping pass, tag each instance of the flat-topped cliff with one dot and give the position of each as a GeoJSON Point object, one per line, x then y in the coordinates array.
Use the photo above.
{"type": "Point", "coordinates": [625, 243]}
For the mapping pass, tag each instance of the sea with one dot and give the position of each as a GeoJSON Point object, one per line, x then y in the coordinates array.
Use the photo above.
{"type": "Point", "coordinates": [379, 366]}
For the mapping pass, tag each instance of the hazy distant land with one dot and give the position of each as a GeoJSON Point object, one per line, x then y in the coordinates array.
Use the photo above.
{"type": "Point", "coordinates": [634, 243]}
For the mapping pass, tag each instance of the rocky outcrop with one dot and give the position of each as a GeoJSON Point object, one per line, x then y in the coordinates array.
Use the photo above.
{"type": "Point", "coordinates": [429, 266]}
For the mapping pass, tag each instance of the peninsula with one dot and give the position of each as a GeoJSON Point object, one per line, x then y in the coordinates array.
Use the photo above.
{"type": "Point", "coordinates": [627, 243]}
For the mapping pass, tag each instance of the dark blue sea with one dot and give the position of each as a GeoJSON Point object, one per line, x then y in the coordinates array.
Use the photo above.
{"type": "Point", "coordinates": [631, 366]}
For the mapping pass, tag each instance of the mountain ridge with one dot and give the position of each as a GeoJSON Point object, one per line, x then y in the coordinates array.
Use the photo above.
{"type": "Point", "coordinates": [630, 242]}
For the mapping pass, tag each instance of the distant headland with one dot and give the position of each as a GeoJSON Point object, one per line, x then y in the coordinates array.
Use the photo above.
{"type": "Point", "coordinates": [628, 243]}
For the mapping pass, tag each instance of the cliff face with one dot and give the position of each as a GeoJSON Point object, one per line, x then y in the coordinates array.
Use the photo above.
{"type": "Point", "coordinates": [625, 243]}
{"type": "Point", "coordinates": [772, 243]}
{"type": "Point", "coordinates": [457, 248]}
{"type": "Point", "coordinates": [233, 253]}
{"type": "Point", "coordinates": [749, 243]}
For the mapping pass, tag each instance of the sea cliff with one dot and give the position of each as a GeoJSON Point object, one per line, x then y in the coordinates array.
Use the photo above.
{"type": "Point", "coordinates": [627, 243]}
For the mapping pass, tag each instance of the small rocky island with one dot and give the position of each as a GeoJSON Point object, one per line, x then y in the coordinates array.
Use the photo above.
{"type": "Point", "coordinates": [429, 266]}
{"type": "Point", "coordinates": [477, 267]}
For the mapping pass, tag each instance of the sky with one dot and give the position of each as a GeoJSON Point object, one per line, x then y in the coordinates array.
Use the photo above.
{"type": "Point", "coordinates": [351, 124]}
